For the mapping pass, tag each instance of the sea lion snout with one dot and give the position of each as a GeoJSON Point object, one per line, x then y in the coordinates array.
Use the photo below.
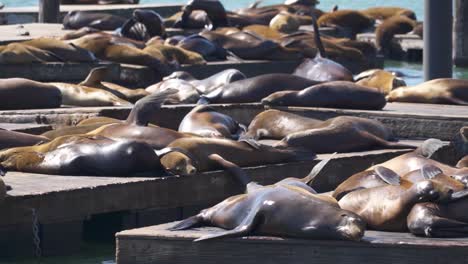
{"type": "Point", "coordinates": [352, 227]}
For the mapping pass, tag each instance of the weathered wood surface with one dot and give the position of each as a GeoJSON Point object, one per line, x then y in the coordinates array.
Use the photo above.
{"type": "Point", "coordinates": [56, 72]}
{"type": "Point", "coordinates": [156, 244]}
{"type": "Point", "coordinates": [26, 127]}
{"type": "Point", "coordinates": [405, 119]}
{"type": "Point", "coordinates": [19, 15]}
{"type": "Point", "coordinates": [411, 45]}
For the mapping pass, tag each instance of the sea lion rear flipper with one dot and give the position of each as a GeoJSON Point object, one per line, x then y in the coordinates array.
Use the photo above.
{"type": "Point", "coordinates": [429, 147]}
{"type": "Point", "coordinates": [387, 175]}
{"type": "Point", "coordinates": [255, 4]}
{"type": "Point", "coordinates": [193, 221]}
{"type": "Point", "coordinates": [317, 169]}
{"type": "Point", "coordinates": [429, 171]}
{"type": "Point", "coordinates": [455, 100]}
{"type": "Point", "coordinates": [379, 142]}
{"type": "Point", "coordinates": [245, 227]}
{"type": "Point", "coordinates": [95, 76]}
{"type": "Point", "coordinates": [440, 227]}
{"type": "Point", "coordinates": [143, 108]}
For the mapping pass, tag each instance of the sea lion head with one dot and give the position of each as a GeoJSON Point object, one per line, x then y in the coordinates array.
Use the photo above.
{"type": "Point", "coordinates": [179, 164]}
{"type": "Point", "coordinates": [351, 226]}
{"type": "Point", "coordinates": [152, 20]}
{"type": "Point", "coordinates": [431, 191]}
{"type": "Point", "coordinates": [278, 98]}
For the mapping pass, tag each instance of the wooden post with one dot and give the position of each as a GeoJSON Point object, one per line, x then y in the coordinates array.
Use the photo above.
{"type": "Point", "coordinates": [460, 32]}
{"type": "Point", "coordinates": [437, 53]}
{"type": "Point", "coordinates": [49, 11]}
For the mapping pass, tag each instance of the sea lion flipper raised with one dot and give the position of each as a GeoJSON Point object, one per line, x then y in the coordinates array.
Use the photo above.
{"type": "Point", "coordinates": [318, 40]}
{"type": "Point", "coordinates": [429, 147]}
{"type": "Point", "coordinates": [387, 175]}
{"type": "Point", "coordinates": [95, 76]}
{"type": "Point", "coordinates": [317, 169]}
{"type": "Point", "coordinates": [255, 4]}
{"type": "Point", "coordinates": [429, 171]}
{"type": "Point", "coordinates": [141, 112]}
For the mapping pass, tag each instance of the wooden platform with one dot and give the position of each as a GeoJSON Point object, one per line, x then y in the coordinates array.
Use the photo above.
{"type": "Point", "coordinates": [405, 119]}
{"type": "Point", "coordinates": [156, 244]}
{"type": "Point", "coordinates": [407, 46]}
{"type": "Point", "coordinates": [29, 128]}
{"type": "Point", "coordinates": [63, 203]}
{"type": "Point", "coordinates": [20, 15]}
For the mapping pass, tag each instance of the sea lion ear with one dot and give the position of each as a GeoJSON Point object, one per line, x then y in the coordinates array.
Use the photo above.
{"type": "Point", "coordinates": [429, 171]}
{"type": "Point", "coordinates": [387, 175]}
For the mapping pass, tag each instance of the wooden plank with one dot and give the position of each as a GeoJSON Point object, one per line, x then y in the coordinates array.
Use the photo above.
{"type": "Point", "coordinates": [156, 244]}
{"type": "Point", "coordinates": [21, 15]}
{"type": "Point", "coordinates": [26, 128]}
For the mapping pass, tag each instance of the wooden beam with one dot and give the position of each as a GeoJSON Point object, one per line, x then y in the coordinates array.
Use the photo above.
{"type": "Point", "coordinates": [49, 11]}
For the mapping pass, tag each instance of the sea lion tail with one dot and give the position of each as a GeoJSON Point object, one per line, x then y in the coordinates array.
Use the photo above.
{"type": "Point", "coordinates": [141, 112]}
{"type": "Point", "coordinates": [429, 147]}
{"type": "Point", "coordinates": [318, 40]}
{"type": "Point", "coordinates": [236, 171]}
{"type": "Point", "coordinates": [309, 179]}
{"type": "Point", "coordinates": [193, 221]}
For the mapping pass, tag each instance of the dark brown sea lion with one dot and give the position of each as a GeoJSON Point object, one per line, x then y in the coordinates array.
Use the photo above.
{"type": "Point", "coordinates": [10, 139]}
{"type": "Point", "coordinates": [320, 68]}
{"type": "Point", "coordinates": [203, 120]}
{"type": "Point", "coordinates": [394, 25]}
{"type": "Point", "coordinates": [78, 19]}
{"type": "Point", "coordinates": [385, 12]}
{"type": "Point", "coordinates": [343, 134]}
{"type": "Point", "coordinates": [338, 94]}
{"type": "Point", "coordinates": [203, 46]}
{"type": "Point", "coordinates": [463, 163]}
{"type": "Point", "coordinates": [213, 8]}
{"type": "Point", "coordinates": [197, 19]}
{"type": "Point", "coordinates": [276, 210]}
{"type": "Point", "coordinates": [354, 20]}
{"type": "Point", "coordinates": [381, 80]}
{"type": "Point", "coordinates": [144, 25]}
{"type": "Point", "coordinates": [18, 93]}
{"type": "Point", "coordinates": [136, 128]}
{"type": "Point", "coordinates": [255, 88]}
{"type": "Point", "coordinates": [241, 152]}
{"type": "Point", "coordinates": [275, 124]}
{"type": "Point", "coordinates": [438, 91]}
{"type": "Point", "coordinates": [186, 92]}
{"type": "Point", "coordinates": [209, 84]}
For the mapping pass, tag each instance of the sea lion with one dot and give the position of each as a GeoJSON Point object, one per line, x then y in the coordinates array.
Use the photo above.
{"type": "Point", "coordinates": [381, 80]}
{"type": "Point", "coordinates": [267, 210]}
{"type": "Point", "coordinates": [181, 55]}
{"type": "Point", "coordinates": [438, 91]}
{"type": "Point", "coordinates": [198, 19]}
{"type": "Point", "coordinates": [213, 8]}
{"type": "Point", "coordinates": [320, 68]}
{"type": "Point", "coordinates": [463, 163]}
{"type": "Point", "coordinates": [19, 93]}
{"type": "Point", "coordinates": [209, 84]}
{"type": "Point", "coordinates": [80, 129]}
{"type": "Point", "coordinates": [78, 19]}
{"type": "Point", "coordinates": [67, 52]}
{"type": "Point", "coordinates": [144, 25]}
{"type": "Point", "coordinates": [436, 175]}
{"type": "Point", "coordinates": [385, 208]}
{"type": "Point", "coordinates": [203, 120]}
{"type": "Point", "coordinates": [136, 128]}
{"type": "Point", "coordinates": [285, 22]}
{"type": "Point", "coordinates": [254, 89]}
{"type": "Point", "coordinates": [355, 20]}
{"type": "Point", "coordinates": [10, 139]}
{"type": "Point", "coordinates": [275, 124]}
{"type": "Point", "coordinates": [264, 31]}
{"type": "Point", "coordinates": [243, 153]}
{"type": "Point", "coordinates": [395, 25]}
{"type": "Point", "coordinates": [343, 134]}
{"type": "Point", "coordinates": [338, 94]}
{"type": "Point", "coordinates": [17, 53]}
{"type": "Point", "coordinates": [186, 92]}
{"type": "Point", "coordinates": [385, 12]}
{"type": "Point", "coordinates": [203, 46]}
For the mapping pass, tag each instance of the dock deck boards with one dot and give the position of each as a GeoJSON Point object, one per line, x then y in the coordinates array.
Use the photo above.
{"type": "Point", "coordinates": [156, 244]}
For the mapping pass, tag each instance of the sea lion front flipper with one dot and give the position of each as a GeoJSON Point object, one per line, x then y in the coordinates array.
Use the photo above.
{"type": "Point", "coordinates": [255, 4]}
{"type": "Point", "coordinates": [387, 175]}
{"type": "Point", "coordinates": [95, 76]}
{"type": "Point", "coordinates": [146, 106]}
{"type": "Point", "coordinates": [245, 227]}
{"type": "Point", "coordinates": [429, 171]}
{"type": "Point", "coordinates": [251, 142]}
{"type": "Point", "coordinates": [429, 147]}
{"type": "Point", "coordinates": [455, 101]}
{"type": "Point", "coordinates": [317, 169]}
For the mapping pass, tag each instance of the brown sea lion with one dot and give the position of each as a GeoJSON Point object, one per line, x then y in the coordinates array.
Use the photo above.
{"type": "Point", "coordinates": [438, 91]}
{"type": "Point", "coordinates": [67, 52]}
{"type": "Point", "coordinates": [436, 175]}
{"type": "Point", "coordinates": [385, 12]}
{"type": "Point", "coordinates": [338, 94]}
{"type": "Point", "coordinates": [209, 84]}
{"type": "Point", "coordinates": [285, 22]}
{"type": "Point", "coordinates": [186, 92]}
{"type": "Point", "coordinates": [19, 93]}
{"type": "Point", "coordinates": [381, 80]}
{"type": "Point", "coordinates": [213, 8]}
{"type": "Point", "coordinates": [17, 53]}
{"type": "Point", "coordinates": [343, 134]}
{"type": "Point", "coordinates": [385, 208]}
{"type": "Point", "coordinates": [267, 210]}
{"type": "Point", "coordinates": [463, 163]}
{"type": "Point", "coordinates": [395, 25]}
{"type": "Point", "coordinates": [241, 152]}
{"type": "Point", "coordinates": [81, 128]}
{"type": "Point", "coordinates": [275, 124]}
{"type": "Point", "coordinates": [255, 88]}
{"type": "Point", "coordinates": [10, 139]}
{"type": "Point", "coordinates": [136, 128]}
{"type": "Point", "coordinates": [78, 19]}
{"type": "Point", "coordinates": [320, 68]}
{"type": "Point", "coordinates": [203, 120]}
{"type": "Point", "coordinates": [203, 46]}
{"type": "Point", "coordinates": [178, 54]}
{"type": "Point", "coordinates": [354, 20]}
{"type": "Point", "coordinates": [264, 31]}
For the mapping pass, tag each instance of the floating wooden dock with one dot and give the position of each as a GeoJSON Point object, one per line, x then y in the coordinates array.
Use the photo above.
{"type": "Point", "coordinates": [29, 128]}
{"type": "Point", "coordinates": [21, 15]}
{"type": "Point", "coordinates": [408, 46]}
{"type": "Point", "coordinates": [62, 204]}
{"type": "Point", "coordinates": [156, 244]}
